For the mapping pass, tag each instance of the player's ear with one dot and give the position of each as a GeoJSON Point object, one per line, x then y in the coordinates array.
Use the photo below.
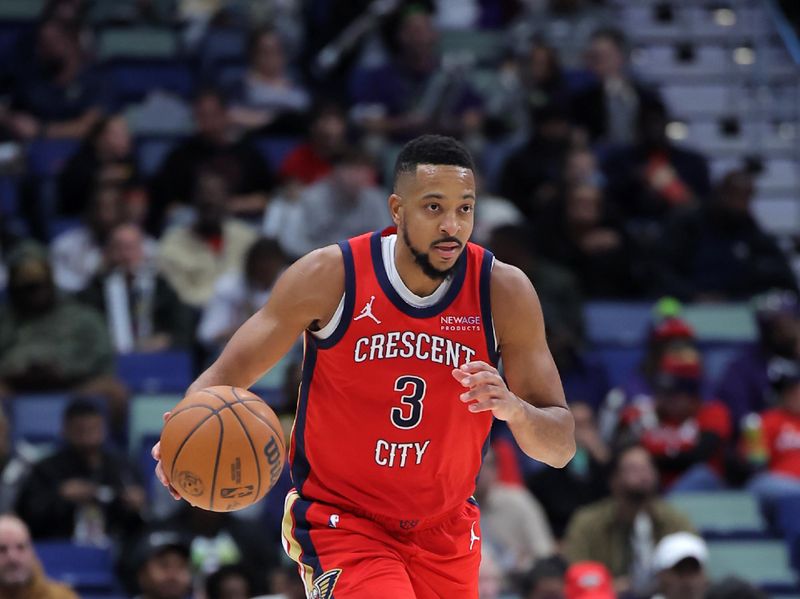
{"type": "Point", "coordinates": [395, 208]}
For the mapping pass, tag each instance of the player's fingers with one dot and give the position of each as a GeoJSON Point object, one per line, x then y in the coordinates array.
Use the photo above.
{"type": "Point", "coordinates": [166, 416]}
{"type": "Point", "coordinates": [478, 366]}
{"type": "Point", "coordinates": [156, 451]}
{"type": "Point", "coordinates": [482, 378]}
{"type": "Point", "coordinates": [481, 392]}
{"type": "Point", "coordinates": [162, 477]}
{"type": "Point", "coordinates": [459, 375]}
{"type": "Point", "coordinates": [483, 406]}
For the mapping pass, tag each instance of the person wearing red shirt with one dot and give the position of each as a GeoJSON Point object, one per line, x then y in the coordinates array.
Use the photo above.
{"type": "Point", "coordinates": [685, 435]}
{"type": "Point", "coordinates": [781, 436]}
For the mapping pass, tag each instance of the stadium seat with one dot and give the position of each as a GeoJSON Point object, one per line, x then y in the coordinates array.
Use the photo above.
{"type": "Point", "coordinates": [162, 116]}
{"type": "Point", "coordinates": [132, 80]}
{"type": "Point", "coordinates": [763, 562]}
{"type": "Point", "coordinates": [83, 568]}
{"type": "Point", "coordinates": [21, 10]}
{"type": "Point", "coordinates": [155, 372]}
{"type": "Point", "coordinates": [137, 42]}
{"type": "Point", "coordinates": [722, 514]}
{"type": "Point", "coordinates": [145, 418]}
{"type": "Point", "coordinates": [620, 361]}
{"type": "Point", "coordinates": [779, 216]}
{"type": "Point", "coordinates": [480, 47]}
{"type": "Point", "coordinates": [222, 45]}
{"type": "Point", "coordinates": [721, 322]}
{"type": "Point", "coordinates": [37, 418]}
{"type": "Point", "coordinates": [151, 152]}
{"type": "Point", "coordinates": [622, 323]}
{"type": "Point", "coordinates": [47, 156]}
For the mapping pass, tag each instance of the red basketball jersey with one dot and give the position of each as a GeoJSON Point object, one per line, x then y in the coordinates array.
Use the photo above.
{"type": "Point", "coordinates": [380, 427]}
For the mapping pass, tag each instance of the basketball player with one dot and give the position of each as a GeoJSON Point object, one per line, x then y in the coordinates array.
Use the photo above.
{"type": "Point", "coordinates": [403, 332]}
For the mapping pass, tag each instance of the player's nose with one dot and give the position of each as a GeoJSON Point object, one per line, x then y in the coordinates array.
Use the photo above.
{"type": "Point", "coordinates": [449, 224]}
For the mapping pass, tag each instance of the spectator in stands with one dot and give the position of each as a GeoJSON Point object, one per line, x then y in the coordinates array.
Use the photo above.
{"type": "Point", "coordinates": [580, 167]}
{"type": "Point", "coordinates": [557, 288]}
{"type": "Point", "coordinates": [490, 575]}
{"type": "Point", "coordinates": [719, 252]}
{"type": "Point", "coordinates": [567, 24]}
{"type": "Point", "coordinates": [344, 204]}
{"type": "Point", "coordinates": [161, 560]}
{"type": "Point", "coordinates": [668, 335]}
{"type": "Point", "coordinates": [512, 521]}
{"type": "Point", "coordinates": [16, 460]}
{"type": "Point", "coordinates": [268, 99]}
{"type": "Point", "coordinates": [218, 539]}
{"type": "Point", "coordinates": [84, 491]}
{"type": "Point", "coordinates": [285, 583]}
{"type": "Point", "coordinates": [589, 580]}
{"type": "Point", "coordinates": [609, 108]}
{"type": "Point", "coordinates": [535, 80]}
{"type": "Point", "coordinates": [314, 159]}
{"type": "Point", "coordinates": [780, 430]}
{"type": "Point", "coordinates": [530, 177]}
{"type": "Point", "coordinates": [687, 437]}
{"type": "Point", "coordinates": [654, 177]}
{"type": "Point", "coordinates": [77, 253]}
{"type": "Point", "coordinates": [237, 296]}
{"type": "Point", "coordinates": [105, 158]}
{"type": "Point", "coordinates": [744, 386]}
{"type": "Point", "coordinates": [415, 93]}
{"type": "Point", "coordinates": [545, 580]}
{"type": "Point", "coordinates": [213, 146]}
{"type": "Point", "coordinates": [193, 256]}
{"type": "Point", "coordinates": [584, 480]}
{"type": "Point", "coordinates": [731, 587]}
{"type": "Point", "coordinates": [21, 575]}
{"type": "Point", "coordinates": [229, 582]}
{"type": "Point", "coordinates": [51, 344]}
{"type": "Point", "coordinates": [581, 234]}
{"type": "Point", "coordinates": [143, 312]}
{"type": "Point", "coordinates": [679, 562]}
{"type": "Point", "coordinates": [61, 95]}
{"type": "Point", "coordinates": [622, 531]}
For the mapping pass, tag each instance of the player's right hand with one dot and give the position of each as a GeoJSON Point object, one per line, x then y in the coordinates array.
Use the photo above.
{"type": "Point", "coordinates": [160, 474]}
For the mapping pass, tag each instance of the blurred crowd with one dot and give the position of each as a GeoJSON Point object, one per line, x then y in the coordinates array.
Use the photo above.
{"type": "Point", "coordinates": [287, 147]}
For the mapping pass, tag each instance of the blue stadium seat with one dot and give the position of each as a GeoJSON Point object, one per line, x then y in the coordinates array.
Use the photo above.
{"type": "Point", "coordinates": [152, 151]}
{"type": "Point", "coordinates": [46, 157]}
{"type": "Point", "coordinates": [222, 45]}
{"type": "Point", "coordinates": [620, 361]}
{"type": "Point", "coordinates": [156, 371]}
{"type": "Point", "coordinates": [83, 568]}
{"type": "Point", "coordinates": [622, 323]}
{"type": "Point", "coordinates": [37, 418]}
{"type": "Point", "coordinates": [131, 79]}
{"type": "Point", "coordinates": [275, 149]}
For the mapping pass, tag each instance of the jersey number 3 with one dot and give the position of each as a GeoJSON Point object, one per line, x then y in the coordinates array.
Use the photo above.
{"type": "Point", "coordinates": [413, 389]}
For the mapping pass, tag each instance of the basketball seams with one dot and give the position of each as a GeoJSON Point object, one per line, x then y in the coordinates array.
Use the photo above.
{"type": "Point", "coordinates": [262, 420]}
{"type": "Point", "coordinates": [216, 462]}
{"type": "Point", "coordinates": [186, 438]}
{"type": "Point", "coordinates": [253, 447]}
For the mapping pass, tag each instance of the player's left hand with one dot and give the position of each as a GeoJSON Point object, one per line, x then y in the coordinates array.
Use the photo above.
{"type": "Point", "coordinates": [488, 391]}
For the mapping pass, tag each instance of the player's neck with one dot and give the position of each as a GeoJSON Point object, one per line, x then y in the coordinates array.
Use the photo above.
{"type": "Point", "coordinates": [411, 274]}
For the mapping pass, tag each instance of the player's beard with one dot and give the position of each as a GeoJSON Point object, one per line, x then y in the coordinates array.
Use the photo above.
{"type": "Point", "coordinates": [424, 262]}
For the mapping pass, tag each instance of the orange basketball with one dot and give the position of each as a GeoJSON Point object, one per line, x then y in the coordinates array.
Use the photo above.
{"type": "Point", "coordinates": [222, 448]}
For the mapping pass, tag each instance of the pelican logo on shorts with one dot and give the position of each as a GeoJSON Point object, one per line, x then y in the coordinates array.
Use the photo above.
{"type": "Point", "coordinates": [333, 521]}
{"type": "Point", "coordinates": [323, 585]}
{"type": "Point", "coordinates": [408, 524]}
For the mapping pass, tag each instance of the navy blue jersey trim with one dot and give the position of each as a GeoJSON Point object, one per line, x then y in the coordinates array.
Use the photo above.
{"type": "Point", "coordinates": [349, 299]}
{"type": "Point", "coordinates": [399, 302]}
{"type": "Point", "coordinates": [300, 465]}
{"type": "Point", "coordinates": [486, 306]}
{"type": "Point", "coordinates": [302, 532]}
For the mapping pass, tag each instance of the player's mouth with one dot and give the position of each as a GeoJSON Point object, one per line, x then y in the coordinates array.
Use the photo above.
{"type": "Point", "coordinates": [447, 250]}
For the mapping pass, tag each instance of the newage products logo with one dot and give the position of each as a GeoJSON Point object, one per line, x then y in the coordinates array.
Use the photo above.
{"type": "Point", "coordinates": [460, 323]}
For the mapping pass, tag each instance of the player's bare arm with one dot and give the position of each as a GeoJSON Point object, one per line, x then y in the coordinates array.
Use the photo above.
{"type": "Point", "coordinates": [304, 297]}
{"type": "Point", "coordinates": [532, 401]}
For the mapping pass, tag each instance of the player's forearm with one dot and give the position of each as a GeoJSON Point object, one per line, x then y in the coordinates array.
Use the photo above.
{"type": "Point", "coordinates": [546, 434]}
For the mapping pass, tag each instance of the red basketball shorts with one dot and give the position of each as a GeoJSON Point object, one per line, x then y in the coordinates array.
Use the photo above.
{"type": "Point", "coordinates": [349, 556]}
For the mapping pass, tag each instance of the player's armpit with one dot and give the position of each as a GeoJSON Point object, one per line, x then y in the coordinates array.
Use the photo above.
{"type": "Point", "coordinates": [546, 432]}
{"type": "Point", "coordinates": [307, 292]}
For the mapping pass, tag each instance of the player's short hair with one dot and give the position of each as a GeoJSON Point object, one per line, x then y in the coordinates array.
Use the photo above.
{"type": "Point", "coordinates": [432, 149]}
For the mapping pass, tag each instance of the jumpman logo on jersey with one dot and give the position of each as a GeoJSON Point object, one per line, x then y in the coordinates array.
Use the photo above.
{"type": "Point", "coordinates": [472, 536]}
{"type": "Point", "coordinates": [366, 311]}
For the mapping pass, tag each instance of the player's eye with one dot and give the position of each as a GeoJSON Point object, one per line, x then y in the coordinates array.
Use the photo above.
{"type": "Point", "coordinates": [434, 207]}
{"type": "Point", "coordinates": [467, 208]}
